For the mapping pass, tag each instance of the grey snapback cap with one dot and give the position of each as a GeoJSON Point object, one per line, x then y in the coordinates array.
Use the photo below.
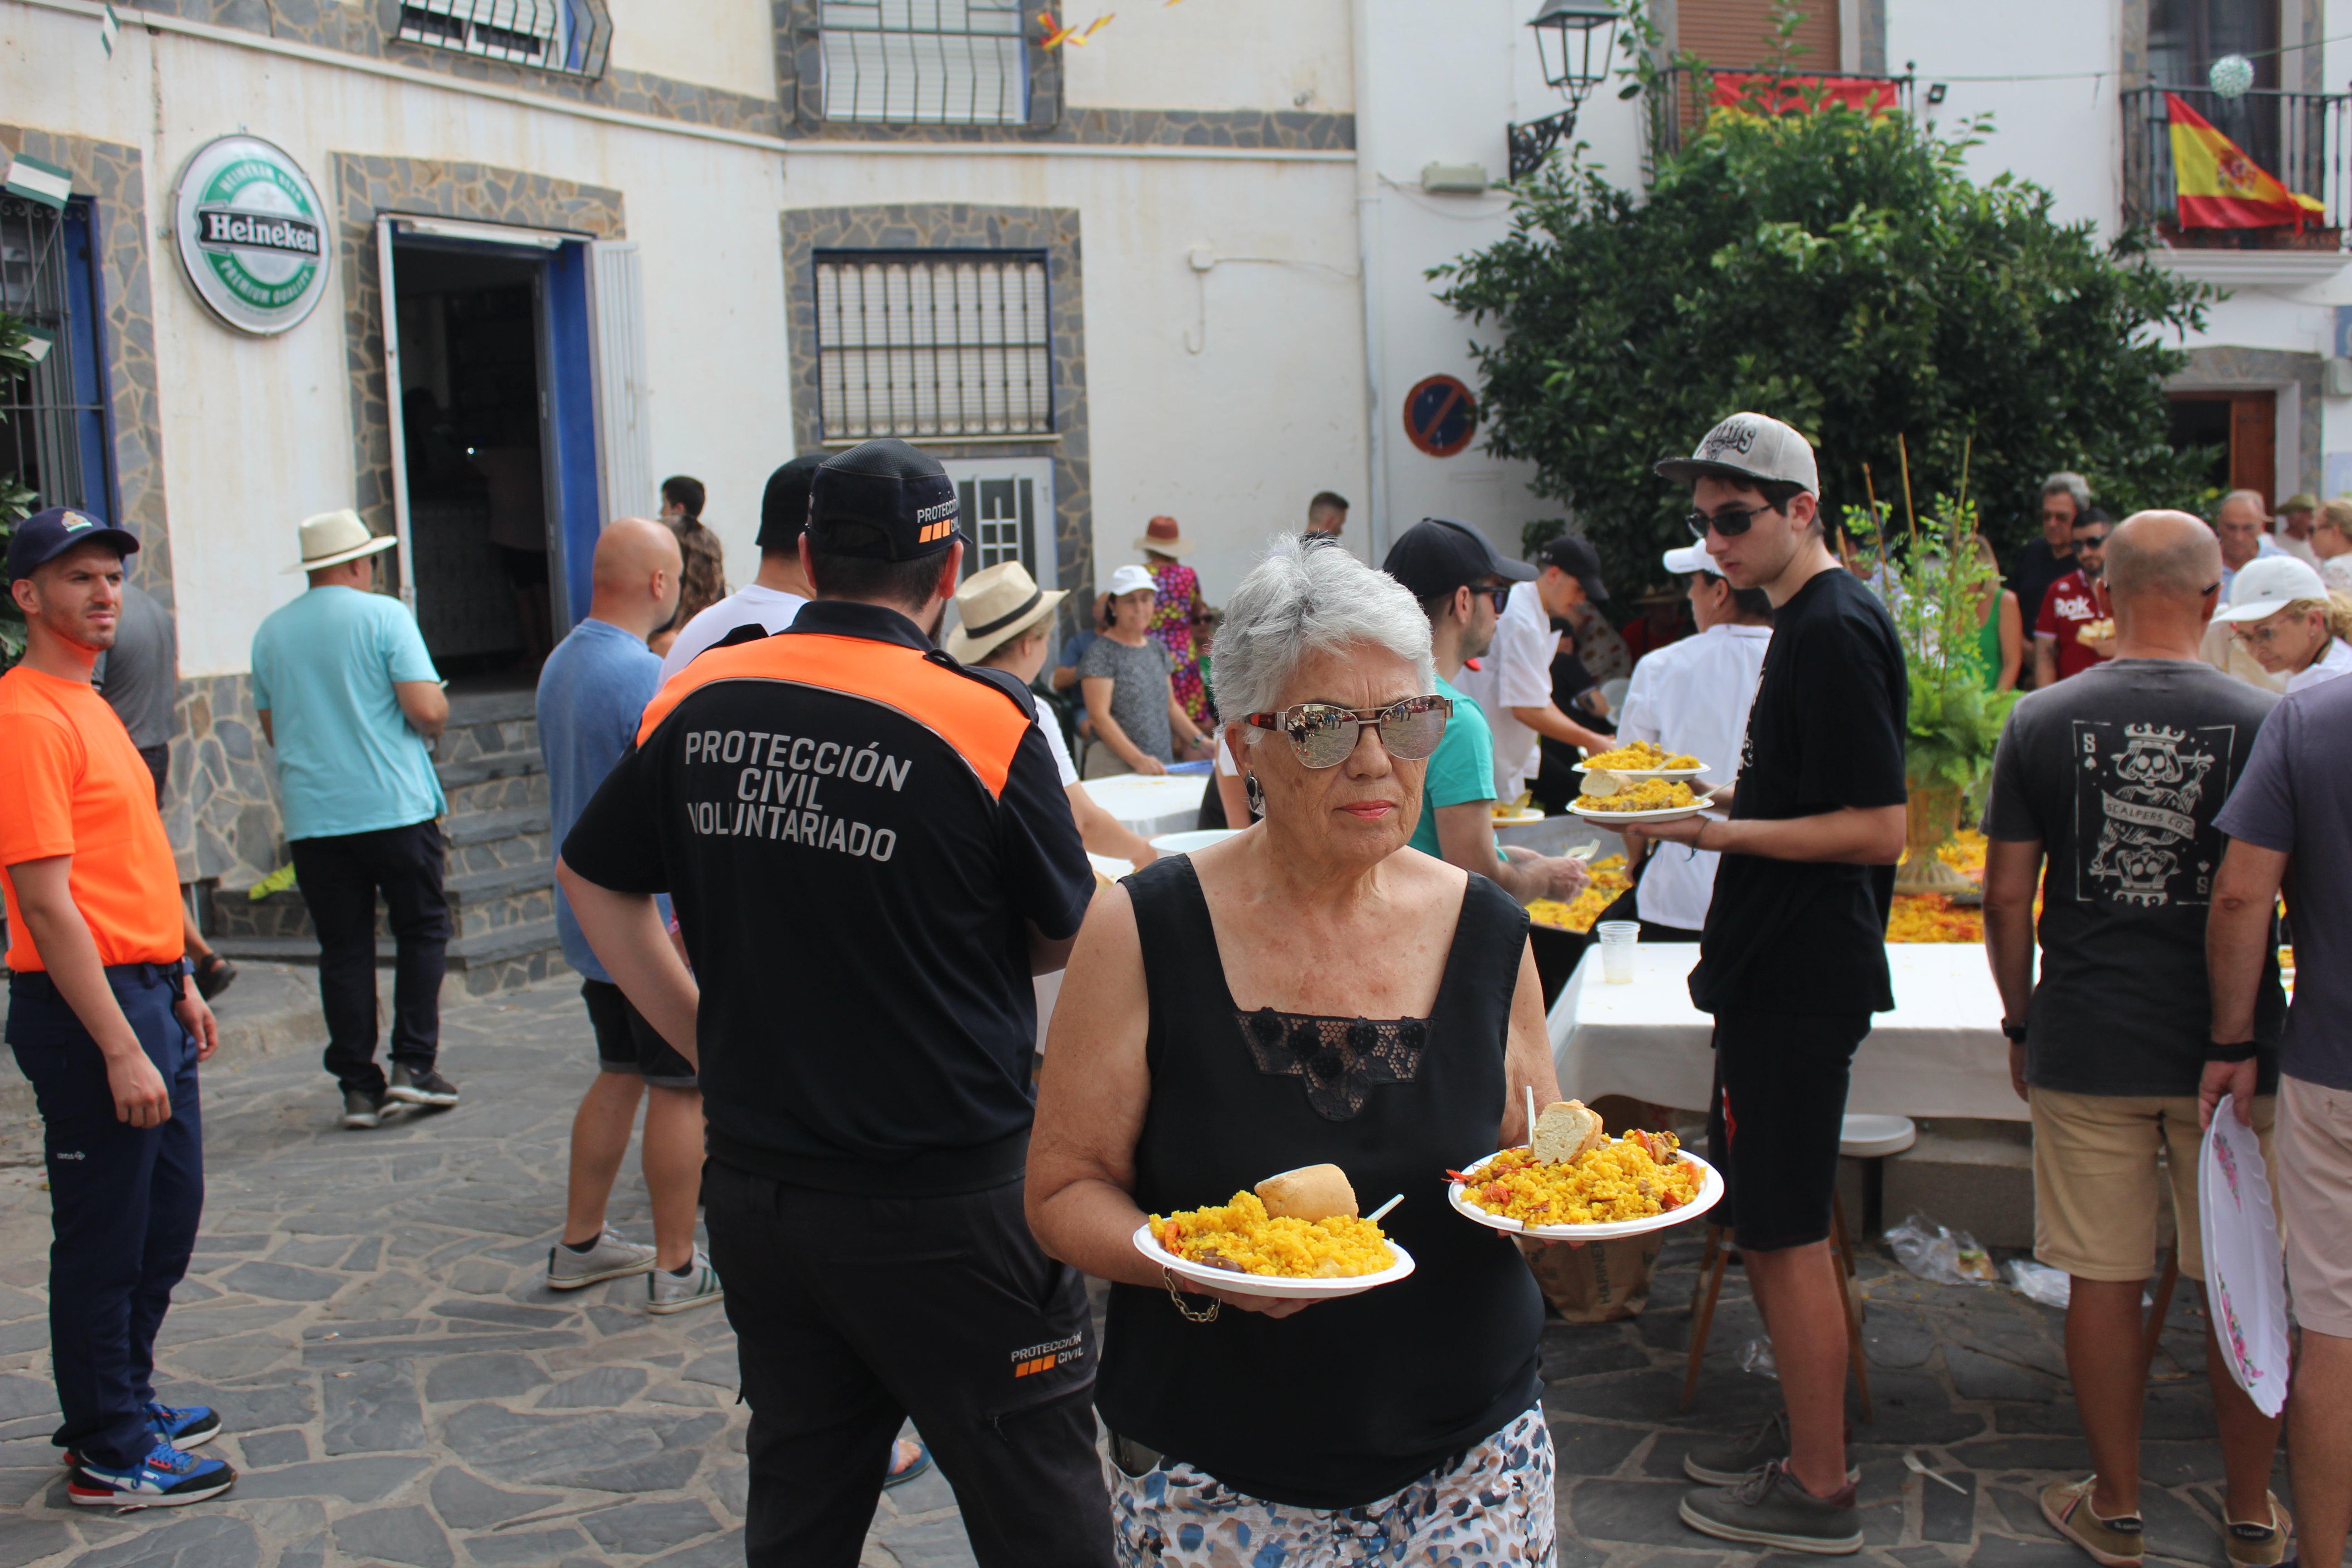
{"type": "Point", "coordinates": [1748, 446]}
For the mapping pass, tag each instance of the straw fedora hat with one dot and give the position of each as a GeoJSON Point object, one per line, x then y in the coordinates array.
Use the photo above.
{"type": "Point", "coordinates": [332, 538]}
{"type": "Point", "coordinates": [1161, 536]}
{"type": "Point", "coordinates": [996, 606]}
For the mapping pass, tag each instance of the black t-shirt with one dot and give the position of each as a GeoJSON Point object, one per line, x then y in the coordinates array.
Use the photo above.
{"type": "Point", "coordinates": [2118, 772]}
{"type": "Point", "coordinates": [857, 834]}
{"type": "Point", "coordinates": [2038, 566]}
{"type": "Point", "coordinates": [1826, 733]}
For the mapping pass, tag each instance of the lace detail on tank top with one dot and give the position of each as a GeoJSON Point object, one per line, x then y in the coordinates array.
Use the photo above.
{"type": "Point", "coordinates": [1337, 1059]}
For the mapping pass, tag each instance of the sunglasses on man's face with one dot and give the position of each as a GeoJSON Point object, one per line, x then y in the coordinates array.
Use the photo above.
{"type": "Point", "coordinates": [1325, 735]}
{"type": "Point", "coordinates": [1731, 522]}
{"type": "Point", "coordinates": [1500, 593]}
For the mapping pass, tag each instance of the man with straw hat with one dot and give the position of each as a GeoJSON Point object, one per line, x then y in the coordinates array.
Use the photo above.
{"type": "Point", "coordinates": [348, 698]}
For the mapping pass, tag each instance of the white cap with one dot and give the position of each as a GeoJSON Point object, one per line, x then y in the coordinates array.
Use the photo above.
{"type": "Point", "coordinates": [1690, 558]}
{"type": "Point", "coordinates": [1749, 447]}
{"type": "Point", "coordinates": [1130, 580]}
{"type": "Point", "coordinates": [2269, 583]}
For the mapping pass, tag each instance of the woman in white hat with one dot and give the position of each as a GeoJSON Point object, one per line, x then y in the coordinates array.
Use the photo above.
{"type": "Point", "coordinates": [1006, 622]}
{"type": "Point", "coordinates": [1176, 609]}
{"type": "Point", "coordinates": [2285, 617]}
{"type": "Point", "coordinates": [1127, 680]}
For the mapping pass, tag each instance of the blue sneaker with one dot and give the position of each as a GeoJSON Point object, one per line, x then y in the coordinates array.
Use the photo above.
{"type": "Point", "coordinates": [165, 1479]}
{"type": "Point", "coordinates": [183, 1426]}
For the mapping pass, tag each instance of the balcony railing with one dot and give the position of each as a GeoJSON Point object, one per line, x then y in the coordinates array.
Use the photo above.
{"type": "Point", "coordinates": [2299, 137]}
{"type": "Point", "coordinates": [1680, 109]}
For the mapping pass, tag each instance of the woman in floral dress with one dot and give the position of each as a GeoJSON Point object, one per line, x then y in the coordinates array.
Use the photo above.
{"type": "Point", "coordinates": [1174, 611]}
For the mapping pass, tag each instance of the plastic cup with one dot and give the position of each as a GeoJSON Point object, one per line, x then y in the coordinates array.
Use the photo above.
{"type": "Point", "coordinates": [1617, 941]}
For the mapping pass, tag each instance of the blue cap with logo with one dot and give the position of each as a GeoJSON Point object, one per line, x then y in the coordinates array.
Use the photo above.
{"type": "Point", "coordinates": [46, 535]}
{"type": "Point", "coordinates": [882, 499]}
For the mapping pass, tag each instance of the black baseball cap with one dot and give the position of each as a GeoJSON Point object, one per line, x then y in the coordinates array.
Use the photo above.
{"type": "Point", "coordinates": [1437, 556]}
{"type": "Point", "coordinates": [46, 535]}
{"type": "Point", "coordinates": [784, 504]}
{"type": "Point", "coordinates": [883, 500]}
{"type": "Point", "coordinates": [1574, 554]}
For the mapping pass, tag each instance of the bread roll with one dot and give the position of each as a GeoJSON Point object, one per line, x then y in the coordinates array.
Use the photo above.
{"type": "Point", "coordinates": [1565, 1130]}
{"type": "Point", "coordinates": [1309, 1193]}
{"type": "Point", "coordinates": [1601, 784]}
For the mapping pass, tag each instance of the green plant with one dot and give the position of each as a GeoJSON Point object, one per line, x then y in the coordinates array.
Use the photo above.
{"type": "Point", "coordinates": [16, 501]}
{"type": "Point", "coordinates": [1934, 584]}
{"type": "Point", "coordinates": [1838, 271]}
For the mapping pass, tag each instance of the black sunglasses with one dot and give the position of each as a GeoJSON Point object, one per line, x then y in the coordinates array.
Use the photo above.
{"type": "Point", "coordinates": [1500, 593]}
{"type": "Point", "coordinates": [1731, 522]}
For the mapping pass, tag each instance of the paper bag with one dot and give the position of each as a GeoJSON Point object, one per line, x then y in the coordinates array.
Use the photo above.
{"type": "Point", "coordinates": [1599, 1282]}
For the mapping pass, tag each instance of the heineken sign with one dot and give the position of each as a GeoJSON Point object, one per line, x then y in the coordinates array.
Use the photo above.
{"type": "Point", "coordinates": [251, 234]}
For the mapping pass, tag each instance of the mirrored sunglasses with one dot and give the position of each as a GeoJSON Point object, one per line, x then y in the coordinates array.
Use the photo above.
{"type": "Point", "coordinates": [1324, 735]}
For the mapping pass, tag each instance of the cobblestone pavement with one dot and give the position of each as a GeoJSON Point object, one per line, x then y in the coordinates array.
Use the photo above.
{"type": "Point", "coordinates": [366, 1311]}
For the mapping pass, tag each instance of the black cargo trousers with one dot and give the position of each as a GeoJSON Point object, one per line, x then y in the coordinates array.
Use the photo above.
{"type": "Point", "coordinates": [854, 1312]}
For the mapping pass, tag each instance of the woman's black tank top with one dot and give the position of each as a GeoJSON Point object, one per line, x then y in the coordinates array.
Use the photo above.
{"type": "Point", "coordinates": [1349, 1400]}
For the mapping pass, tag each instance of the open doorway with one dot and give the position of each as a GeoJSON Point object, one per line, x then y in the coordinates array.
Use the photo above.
{"type": "Point", "coordinates": [2241, 430]}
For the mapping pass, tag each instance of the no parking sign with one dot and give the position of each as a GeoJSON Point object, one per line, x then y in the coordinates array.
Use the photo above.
{"type": "Point", "coordinates": [1441, 414]}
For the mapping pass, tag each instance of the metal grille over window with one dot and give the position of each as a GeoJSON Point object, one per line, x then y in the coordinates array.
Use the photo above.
{"type": "Point", "coordinates": [566, 36]}
{"type": "Point", "coordinates": [933, 345]}
{"type": "Point", "coordinates": [925, 62]}
{"type": "Point", "coordinates": [52, 426]}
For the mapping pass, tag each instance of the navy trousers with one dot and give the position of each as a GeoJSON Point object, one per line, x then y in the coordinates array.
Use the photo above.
{"type": "Point", "coordinates": [124, 1202]}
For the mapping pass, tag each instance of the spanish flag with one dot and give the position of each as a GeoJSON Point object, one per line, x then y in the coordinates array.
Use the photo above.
{"type": "Point", "coordinates": [2219, 186]}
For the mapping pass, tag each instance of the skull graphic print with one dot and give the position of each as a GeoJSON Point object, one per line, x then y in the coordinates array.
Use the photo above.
{"type": "Point", "coordinates": [2144, 798]}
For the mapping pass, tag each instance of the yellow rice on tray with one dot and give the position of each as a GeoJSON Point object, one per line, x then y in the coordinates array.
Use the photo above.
{"type": "Point", "coordinates": [1620, 1180]}
{"type": "Point", "coordinates": [1240, 1236]}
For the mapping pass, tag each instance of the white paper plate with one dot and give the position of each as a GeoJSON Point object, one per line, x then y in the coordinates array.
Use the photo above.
{"type": "Point", "coordinates": [1647, 772]}
{"type": "Point", "coordinates": [1658, 814]}
{"type": "Point", "coordinates": [1710, 1193]}
{"type": "Point", "coordinates": [1235, 1284]}
{"type": "Point", "coordinates": [1185, 843]}
{"type": "Point", "coordinates": [1514, 818]}
{"type": "Point", "coordinates": [2245, 1279]}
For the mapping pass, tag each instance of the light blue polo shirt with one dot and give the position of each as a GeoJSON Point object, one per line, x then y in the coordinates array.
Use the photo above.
{"type": "Point", "coordinates": [593, 691]}
{"type": "Point", "coordinates": [324, 668]}
{"type": "Point", "coordinates": [1461, 770]}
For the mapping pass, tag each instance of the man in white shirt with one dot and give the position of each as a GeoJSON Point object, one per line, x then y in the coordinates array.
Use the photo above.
{"type": "Point", "coordinates": [1693, 696]}
{"type": "Point", "coordinates": [2291, 530]}
{"type": "Point", "coordinates": [2244, 533]}
{"type": "Point", "coordinates": [771, 599]}
{"type": "Point", "coordinates": [1513, 681]}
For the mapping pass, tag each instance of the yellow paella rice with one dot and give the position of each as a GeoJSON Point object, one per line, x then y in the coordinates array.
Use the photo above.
{"type": "Point", "coordinates": [1649, 794]}
{"type": "Point", "coordinates": [1620, 1180]}
{"type": "Point", "coordinates": [1240, 1236]}
{"type": "Point", "coordinates": [1636, 755]}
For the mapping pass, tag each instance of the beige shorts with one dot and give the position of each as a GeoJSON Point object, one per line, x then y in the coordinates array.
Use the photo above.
{"type": "Point", "coordinates": [2095, 1180]}
{"type": "Point", "coordinates": [2314, 1186]}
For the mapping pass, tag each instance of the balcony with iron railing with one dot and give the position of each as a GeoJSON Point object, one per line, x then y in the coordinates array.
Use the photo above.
{"type": "Point", "coordinates": [1679, 108]}
{"type": "Point", "coordinates": [2297, 137]}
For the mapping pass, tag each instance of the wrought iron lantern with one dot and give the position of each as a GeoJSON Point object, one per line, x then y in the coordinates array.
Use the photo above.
{"type": "Point", "coordinates": [1574, 39]}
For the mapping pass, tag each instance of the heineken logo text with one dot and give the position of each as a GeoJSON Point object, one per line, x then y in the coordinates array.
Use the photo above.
{"type": "Point", "coordinates": [226, 228]}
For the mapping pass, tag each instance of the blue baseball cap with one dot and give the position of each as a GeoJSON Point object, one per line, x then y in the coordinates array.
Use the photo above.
{"type": "Point", "coordinates": [46, 535]}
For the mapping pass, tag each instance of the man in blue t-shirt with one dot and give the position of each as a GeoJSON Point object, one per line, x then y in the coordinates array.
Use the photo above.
{"type": "Point", "coordinates": [593, 691]}
{"type": "Point", "coordinates": [351, 701]}
{"type": "Point", "coordinates": [1461, 583]}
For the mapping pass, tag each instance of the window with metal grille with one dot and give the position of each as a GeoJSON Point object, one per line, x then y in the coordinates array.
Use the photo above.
{"type": "Point", "coordinates": [53, 421]}
{"type": "Point", "coordinates": [566, 36]}
{"type": "Point", "coordinates": [925, 62]}
{"type": "Point", "coordinates": [937, 344]}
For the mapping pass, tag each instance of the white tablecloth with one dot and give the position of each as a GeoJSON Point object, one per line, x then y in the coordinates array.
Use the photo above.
{"type": "Point", "coordinates": [1939, 1053]}
{"type": "Point", "coordinates": [1150, 804]}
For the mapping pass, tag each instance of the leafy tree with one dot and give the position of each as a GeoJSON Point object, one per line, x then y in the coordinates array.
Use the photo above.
{"type": "Point", "coordinates": [1837, 271]}
{"type": "Point", "coordinates": [16, 501]}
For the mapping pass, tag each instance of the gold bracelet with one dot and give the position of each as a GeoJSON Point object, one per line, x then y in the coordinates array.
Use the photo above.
{"type": "Point", "coordinates": [1191, 1315]}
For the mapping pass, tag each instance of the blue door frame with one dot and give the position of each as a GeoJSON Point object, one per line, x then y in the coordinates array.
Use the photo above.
{"type": "Point", "coordinates": [569, 381]}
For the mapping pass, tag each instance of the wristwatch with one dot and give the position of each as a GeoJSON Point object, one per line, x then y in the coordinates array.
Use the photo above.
{"type": "Point", "coordinates": [2015, 1031]}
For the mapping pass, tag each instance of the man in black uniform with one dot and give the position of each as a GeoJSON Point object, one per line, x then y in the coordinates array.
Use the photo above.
{"type": "Point", "coordinates": [1793, 961]}
{"type": "Point", "coordinates": [870, 854]}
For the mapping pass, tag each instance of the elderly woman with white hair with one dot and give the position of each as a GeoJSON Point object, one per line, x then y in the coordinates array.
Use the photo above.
{"type": "Point", "coordinates": [1308, 991]}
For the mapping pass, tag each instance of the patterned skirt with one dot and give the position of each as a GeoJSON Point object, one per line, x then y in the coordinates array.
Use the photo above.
{"type": "Point", "coordinates": [1496, 1506]}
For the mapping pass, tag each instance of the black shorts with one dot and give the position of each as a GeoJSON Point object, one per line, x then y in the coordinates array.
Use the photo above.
{"type": "Point", "coordinates": [1778, 1116]}
{"type": "Point", "coordinates": [626, 1043]}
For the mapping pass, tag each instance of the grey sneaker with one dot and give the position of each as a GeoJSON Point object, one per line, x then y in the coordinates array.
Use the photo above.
{"type": "Point", "coordinates": [1771, 1508]}
{"type": "Point", "coordinates": [427, 1087]}
{"type": "Point", "coordinates": [610, 1259]}
{"type": "Point", "coordinates": [1732, 1460]}
{"type": "Point", "coordinates": [362, 1109]}
{"type": "Point", "coordinates": [668, 1292]}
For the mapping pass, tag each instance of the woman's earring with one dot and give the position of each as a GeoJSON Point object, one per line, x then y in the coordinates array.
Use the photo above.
{"type": "Point", "coordinates": [1257, 792]}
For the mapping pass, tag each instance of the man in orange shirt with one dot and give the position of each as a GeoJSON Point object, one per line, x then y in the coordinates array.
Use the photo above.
{"type": "Point", "coordinates": [105, 1023]}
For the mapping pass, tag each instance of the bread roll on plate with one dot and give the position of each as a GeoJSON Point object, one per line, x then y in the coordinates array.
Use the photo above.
{"type": "Point", "coordinates": [1566, 1129]}
{"type": "Point", "coordinates": [1309, 1193]}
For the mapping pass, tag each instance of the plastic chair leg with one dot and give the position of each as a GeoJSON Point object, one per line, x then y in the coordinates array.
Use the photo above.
{"type": "Point", "coordinates": [1710, 1270]}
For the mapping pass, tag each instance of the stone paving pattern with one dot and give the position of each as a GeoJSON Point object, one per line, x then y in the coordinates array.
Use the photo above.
{"type": "Point", "coordinates": [366, 1309]}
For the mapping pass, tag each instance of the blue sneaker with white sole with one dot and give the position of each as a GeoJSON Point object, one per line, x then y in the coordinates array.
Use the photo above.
{"type": "Point", "coordinates": [181, 1426]}
{"type": "Point", "coordinates": [166, 1477]}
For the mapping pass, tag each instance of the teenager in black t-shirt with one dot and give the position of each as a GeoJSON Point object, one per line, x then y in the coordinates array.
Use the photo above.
{"type": "Point", "coordinates": [1792, 961]}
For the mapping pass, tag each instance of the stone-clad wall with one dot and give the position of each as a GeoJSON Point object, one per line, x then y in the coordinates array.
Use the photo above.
{"type": "Point", "coordinates": [222, 811]}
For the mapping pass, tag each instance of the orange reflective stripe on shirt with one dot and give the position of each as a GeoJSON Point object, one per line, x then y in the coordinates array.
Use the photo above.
{"type": "Point", "coordinates": [983, 723]}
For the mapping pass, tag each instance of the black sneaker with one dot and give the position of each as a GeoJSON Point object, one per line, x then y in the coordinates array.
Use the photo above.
{"type": "Point", "coordinates": [427, 1087]}
{"type": "Point", "coordinates": [362, 1109]}
{"type": "Point", "coordinates": [1772, 1508]}
{"type": "Point", "coordinates": [1732, 1460]}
